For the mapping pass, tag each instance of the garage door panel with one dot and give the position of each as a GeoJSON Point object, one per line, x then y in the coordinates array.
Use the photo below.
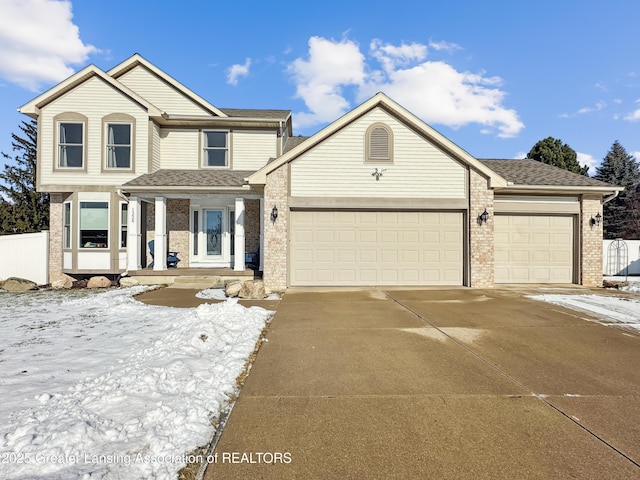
{"type": "Point", "coordinates": [376, 248]}
{"type": "Point", "coordinates": [533, 249]}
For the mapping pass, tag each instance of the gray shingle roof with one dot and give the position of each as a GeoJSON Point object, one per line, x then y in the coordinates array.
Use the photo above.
{"type": "Point", "coordinates": [256, 113]}
{"type": "Point", "coordinates": [293, 142]}
{"type": "Point", "coordinates": [191, 178]}
{"type": "Point", "coordinates": [532, 172]}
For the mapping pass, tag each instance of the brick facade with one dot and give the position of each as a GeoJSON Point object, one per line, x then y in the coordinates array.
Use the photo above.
{"type": "Point", "coordinates": [480, 235]}
{"type": "Point", "coordinates": [178, 227]}
{"type": "Point", "coordinates": [252, 226]}
{"type": "Point", "coordinates": [590, 241]}
{"type": "Point", "coordinates": [275, 233]}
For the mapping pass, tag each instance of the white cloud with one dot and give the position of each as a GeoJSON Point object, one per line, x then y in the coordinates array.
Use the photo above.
{"type": "Point", "coordinates": [520, 155]}
{"type": "Point", "coordinates": [238, 70]}
{"type": "Point", "coordinates": [633, 116]}
{"type": "Point", "coordinates": [38, 42]}
{"type": "Point", "coordinates": [433, 90]}
{"type": "Point", "coordinates": [446, 46]}
{"type": "Point", "coordinates": [319, 80]}
{"type": "Point", "coordinates": [588, 160]}
{"type": "Point", "coordinates": [636, 155]}
{"type": "Point", "coordinates": [598, 106]}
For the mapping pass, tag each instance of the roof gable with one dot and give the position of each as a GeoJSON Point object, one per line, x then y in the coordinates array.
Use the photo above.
{"type": "Point", "coordinates": [403, 115]}
{"type": "Point", "coordinates": [33, 107]}
{"type": "Point", "coordinates": [137, 61]}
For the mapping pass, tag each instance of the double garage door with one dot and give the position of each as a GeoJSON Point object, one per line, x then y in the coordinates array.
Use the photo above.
{"type": "Point", "coordinates": [343, 248]}
{"type": "Point", "coordinates": [534, 249]}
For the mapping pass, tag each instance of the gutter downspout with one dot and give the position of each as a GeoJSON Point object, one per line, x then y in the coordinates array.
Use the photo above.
{"type": "Point", "coordinates": [610, 197]}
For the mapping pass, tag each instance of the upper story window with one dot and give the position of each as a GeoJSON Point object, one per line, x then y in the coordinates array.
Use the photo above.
{"type": "Point", "coordinates": [215, 148]}
{"type": "Point", "coordinates": [118, 145]}
{"type": "Point", "coordinates": [379, 143]}
{"type": "Point", "coordinates": [70, 144]}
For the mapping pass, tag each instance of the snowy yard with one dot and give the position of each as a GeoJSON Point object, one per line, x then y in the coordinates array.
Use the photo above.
{"type": "Point", "coordinates": [98, 385]}
{"type": "Point", "coordinates": [621, 310]}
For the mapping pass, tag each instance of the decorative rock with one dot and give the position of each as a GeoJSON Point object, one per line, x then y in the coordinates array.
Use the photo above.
{"type": "Point", "coordinates": [252, 289]}
{"type": "Point", "coordinates": [217, 282]}
{"type": "Point", "coordinates": [614, 284]}
{"type": "Point", "coordinates": [98, 282]}
{"type": "Point", "coordinates": [129, 282]}
{"type": "Point", "coordinates": [232, 289]}
{"type": "Point", "coordinates": [61, 281]}
{"type": "Point", "coordinates": [15, 285]}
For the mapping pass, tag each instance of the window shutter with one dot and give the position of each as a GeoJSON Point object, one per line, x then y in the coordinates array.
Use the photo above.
{"type": "Point", "coordinates": [379, 144]}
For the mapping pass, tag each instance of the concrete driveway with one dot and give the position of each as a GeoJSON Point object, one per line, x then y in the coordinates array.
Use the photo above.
{"type": "Point", "coordinates": [427, 383]}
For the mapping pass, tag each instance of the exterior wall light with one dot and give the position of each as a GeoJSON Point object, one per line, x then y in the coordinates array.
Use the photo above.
{"type": "Point", "coordinates": [483, 217]}
{"type": "Point", "coordinates": [274, 214]}
{"type": "Point", "coordinates": [595, 221]}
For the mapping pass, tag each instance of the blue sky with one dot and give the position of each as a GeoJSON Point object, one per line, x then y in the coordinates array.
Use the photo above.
{"type": "Point", "coordinates": [494, 76]}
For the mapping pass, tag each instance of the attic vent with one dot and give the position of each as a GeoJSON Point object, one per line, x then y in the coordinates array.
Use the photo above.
{"type": "Point", "coordinates": [379, 144]}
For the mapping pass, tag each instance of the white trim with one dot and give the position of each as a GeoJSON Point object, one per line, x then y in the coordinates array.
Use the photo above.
{"type": "Point", "coordinates": [134, 236]}
{"type": "Point", "coordinates": [160, 244]}
{"type": "Point", "coordinates": [239, 237]}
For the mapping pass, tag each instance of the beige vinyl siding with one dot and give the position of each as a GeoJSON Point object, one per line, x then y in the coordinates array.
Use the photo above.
{"type": "Point", "coordinates": [180, 148]}
{"type": "Point", "coordinates": [419, 169]}
{"type": "Point", "coordinates": [156, 155]}
{"type": "Point", "coordinates": [159, 93]}
{"type": "Point", "coordinates": [252, 149]}
{"type": "Point", "coordinates": [95, 100]}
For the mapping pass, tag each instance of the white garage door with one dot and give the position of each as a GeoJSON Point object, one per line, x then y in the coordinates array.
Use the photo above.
{"type": "Point", "coordinates": [342, 248]}
{"type": "Point", "coordinates": [533, 249]}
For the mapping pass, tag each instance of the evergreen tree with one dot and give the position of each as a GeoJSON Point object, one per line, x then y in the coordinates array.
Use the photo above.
{"type": "Point", "coordinates": [553, 152]}
{"type": "Point", "coordinates": [22, 209]}
{"type": "Point", "coordinates": [620, 168]}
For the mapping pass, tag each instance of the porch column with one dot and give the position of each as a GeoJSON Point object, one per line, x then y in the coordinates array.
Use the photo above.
{"type": "Point", "coordinates": [239, 247]}
{"type": "Point", "coordinates": [134, 236]}
{"type": "Point", "coordinates": [160, 238]}
{"type": "Point", "coordinates": [261, 253]}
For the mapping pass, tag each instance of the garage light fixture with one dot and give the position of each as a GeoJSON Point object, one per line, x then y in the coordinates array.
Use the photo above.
{"type": "Point", "coordinates": [274, 214]}
{"type": "Point", "coordinates": [595, 221]}
{"type": "Point", "coordinates": [483, 217]}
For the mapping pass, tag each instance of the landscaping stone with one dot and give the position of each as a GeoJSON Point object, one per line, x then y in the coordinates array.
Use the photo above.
{"type": "Point", "coordinates": [98, 282]}
{"type": "Point", "coordinates": [129, 282]}
{"type": "Point", "coordinates": [232, 289]}
{"type": "Point", "coordinates": [15, 285]}
{"type": "Point", "coordinates": [252, 289]}
{"type": "Point", "coordinates": [60, 281]}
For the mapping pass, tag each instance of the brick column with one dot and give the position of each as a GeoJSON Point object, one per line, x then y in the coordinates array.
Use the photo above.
{"type": "Point", "coordinates": [590, 241]}
{"type": "Point", "coordinates": [480, 235]}
{"type": "Point", "coordinates": [275, 232]}
{"type": "Point", "coordinates": [55, 234]}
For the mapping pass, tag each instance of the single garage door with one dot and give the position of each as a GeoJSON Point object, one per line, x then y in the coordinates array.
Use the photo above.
{"type": "Point", "coordinates": [534, 249]}
{"type": "Point", "coordinates": [342, 248]}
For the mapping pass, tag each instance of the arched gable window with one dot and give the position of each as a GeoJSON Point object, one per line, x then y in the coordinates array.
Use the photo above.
{"type": "Point", "coordinates": [379, 143]}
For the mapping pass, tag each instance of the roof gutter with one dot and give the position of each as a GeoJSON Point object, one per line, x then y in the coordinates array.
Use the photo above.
{"type": "Point", "coordinates": [209, 118]}
{"type": "Point", "coordinates": [611, 197]}
{"type": "Point", "coordinates": [573, 189]}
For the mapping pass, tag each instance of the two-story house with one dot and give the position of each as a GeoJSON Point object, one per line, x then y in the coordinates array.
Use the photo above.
{"type": "Point", "coordinates": [378, 197]}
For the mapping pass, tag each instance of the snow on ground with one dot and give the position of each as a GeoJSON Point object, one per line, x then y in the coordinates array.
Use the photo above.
{"type": "Point", "coordinates": [218, 294]}
{"type": "Point", "coordinates": [611, 310]}
{"type": "Point", "coordinates": [98, 385]}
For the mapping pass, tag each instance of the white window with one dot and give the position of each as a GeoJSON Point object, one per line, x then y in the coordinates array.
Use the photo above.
{"type": "Point", "coordinates": [70, 144]}
{"type": "Point", "coordinates": [216, 149]}
{"type": "Point", "coordinates": [118, 145]}
{"type": "Point", "coordinates": [124, 208]}
{"type": "Point", "coordinates": [94, 224]}
{"type": "Point", "coordinates": [66, 232]}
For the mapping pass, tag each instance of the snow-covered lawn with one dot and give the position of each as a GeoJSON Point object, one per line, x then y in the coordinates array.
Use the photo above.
{"type": "Point", "coordinates": [99, 385]}
{"type": "Point", "coordinates": [611, 310]}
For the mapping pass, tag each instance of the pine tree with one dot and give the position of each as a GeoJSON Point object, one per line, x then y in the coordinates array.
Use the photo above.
{"type": "Point", "coordinates": [22, 209]}
{"type": "Point", "coordinates": [553, 152]}
{"type": "Point", "coordinates": [620, 168]}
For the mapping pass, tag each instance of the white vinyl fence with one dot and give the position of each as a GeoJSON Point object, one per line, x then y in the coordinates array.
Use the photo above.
{"type": "Point", "coordinates": [621, 257]}
{"type": "Point", "coordinates": [26, 256]}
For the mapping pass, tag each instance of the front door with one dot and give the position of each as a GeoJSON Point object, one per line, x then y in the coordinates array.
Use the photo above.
{"type": "Point", "coordinates": [213, 234]}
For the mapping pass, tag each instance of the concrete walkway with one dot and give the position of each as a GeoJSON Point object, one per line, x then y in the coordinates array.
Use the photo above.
{"type": "Point", "coordinates": [442, 384]}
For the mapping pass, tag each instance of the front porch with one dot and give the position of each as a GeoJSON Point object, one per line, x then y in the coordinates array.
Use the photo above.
{"type": "Point", "coordinates": [203, 277]}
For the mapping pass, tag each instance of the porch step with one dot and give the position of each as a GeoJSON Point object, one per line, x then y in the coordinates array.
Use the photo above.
{"type": "Point", "coordinates": [201, 282]}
